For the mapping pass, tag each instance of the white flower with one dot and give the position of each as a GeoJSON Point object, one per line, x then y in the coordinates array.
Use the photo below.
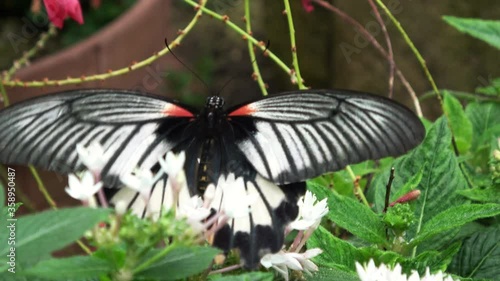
{"type": "Point", "coordinates": [282, 261]}
{"type": "Point", "coordinates": [91, 156]}
{"type": "Point", "coordinates": [141, 181]}
{"type": "Point", "coordinates": [237, 202]}
{"type": "Point", "coordinates": [371, 272]}
{"type": "Point", "coordinates": [83, 189]}
{"type": "Point", "coordinates": [173, 165]}
{"type": "Point", "coordinates": [310, 212]}
{"type": "Point", "coordinates": [194, 212]}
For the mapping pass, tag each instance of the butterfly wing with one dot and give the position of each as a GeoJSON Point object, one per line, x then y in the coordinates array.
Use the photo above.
{"type": "Point", "coordinates": [300, 135]}
{"type": "Point", "coordinates": [133, 129]}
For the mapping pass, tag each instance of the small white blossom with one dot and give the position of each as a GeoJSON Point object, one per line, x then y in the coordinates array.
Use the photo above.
{"type": "Point", "coordinates": [194, 212]}
{"type": "Point", "coordinates": [282, 261]}
{"type": "Point", "coordinates": [371, 272]}
{"type": "Point", "coordinates": [310, 212]}
{"type": "Point", "coordinates": [141, 181]}
{"type": "Point", "coordinates": [91, 156]}
{"type": "Point", "coordinates": [83, 189]}
{"type": "Point", "coordinates": [173, 165]}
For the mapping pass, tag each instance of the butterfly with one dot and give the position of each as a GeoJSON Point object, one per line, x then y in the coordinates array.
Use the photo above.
{"type": "Point", "coordinates": [270, 146]}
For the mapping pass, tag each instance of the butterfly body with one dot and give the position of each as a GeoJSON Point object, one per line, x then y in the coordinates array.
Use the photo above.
{"type": "Point", "coordinates": [269, 146]}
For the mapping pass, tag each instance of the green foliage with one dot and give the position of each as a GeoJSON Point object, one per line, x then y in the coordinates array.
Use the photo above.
{"type": "Point", "coordinates": [455, 217]}
{"type": "Point", "coordinates": [485, 30]}
{"type": "Point", "coordinates": [72, 268]}
{"type": "Point", "coordinates": [365, 224]}
{"type": "Point", "coordinates": [461, 126]}
{"type": "Point", "coordinates": [479, 256]}
{"type": "Point", "coordinates": [40, 234]}
{"type": "Point", "coordinates": [251, 276]}
{"type": "Point", "coordinates": [180, 262]}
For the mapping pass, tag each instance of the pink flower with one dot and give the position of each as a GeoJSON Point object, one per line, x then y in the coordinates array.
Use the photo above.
{"type": "Point", "coordinates": [59, 10]}
{"type": "Point", "coordinates": [307, 5]}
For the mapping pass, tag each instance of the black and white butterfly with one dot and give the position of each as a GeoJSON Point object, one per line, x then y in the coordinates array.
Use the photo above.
{"type": "Point", "coordinates": [272, 145]}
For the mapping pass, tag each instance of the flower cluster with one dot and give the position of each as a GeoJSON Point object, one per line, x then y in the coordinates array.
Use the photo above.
{"type": "Point", "coordinates": [310, 214]}
{"type": "Point", "coordinates": [371, 272]}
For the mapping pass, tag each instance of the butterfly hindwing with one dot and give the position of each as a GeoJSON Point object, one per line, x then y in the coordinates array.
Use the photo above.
{"type": "Point", "coordinates": [45, 131]}
{"type": "Point", "coordinates": [300, 135]}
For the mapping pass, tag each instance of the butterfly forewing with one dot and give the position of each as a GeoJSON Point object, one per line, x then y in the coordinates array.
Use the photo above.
{"type": "Point", "coordinates": [299, 135]}
{"type": "Point", "coordinates": [45, 131]}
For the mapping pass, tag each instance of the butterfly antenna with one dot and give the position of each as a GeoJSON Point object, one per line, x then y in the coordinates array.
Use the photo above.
{"type": "Point", "coordinates": [234, 76]}
{"type": "Point", "coordinates": [187, 67]}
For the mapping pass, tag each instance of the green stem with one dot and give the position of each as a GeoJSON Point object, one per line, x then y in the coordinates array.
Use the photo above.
{"type": "Point", "coordinates": [357, 188]}
{"type": "Point", "coordinates": [256, 71]}
{"type": "Point", "coordinates": [413, 48]}
{"type": "Point", "coordinates": [44, 37]}
{"type": "Point", "coordinates": [295, 60]}
{"type": "Point", "coordinates": [237, 29]}
{"type": "Point", "coordinates": [154, 258]}
{"type": "Point", "coordinates": [42, 188]}
{"type": "Point", "coordinates": [104, 76]}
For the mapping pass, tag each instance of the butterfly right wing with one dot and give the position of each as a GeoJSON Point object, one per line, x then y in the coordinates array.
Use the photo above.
{"type": "Point", "coordinates": [133, 129]}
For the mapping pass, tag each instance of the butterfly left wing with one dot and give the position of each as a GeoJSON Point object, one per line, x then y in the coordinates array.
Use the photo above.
{"type": "Point", "coordinates": [296, 136]}
{"type": "Point", "coordinates": [134, 129]}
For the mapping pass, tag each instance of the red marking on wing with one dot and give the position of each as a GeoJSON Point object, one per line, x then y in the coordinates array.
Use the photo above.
{"type": "Point", "coordinates": [244, 110]}
{"type": "Point", "coordinates": [177, 111]}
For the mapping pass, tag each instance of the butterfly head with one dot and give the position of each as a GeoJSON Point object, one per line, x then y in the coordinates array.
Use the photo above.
{"type": "Point", "coordinates": [214, 102]}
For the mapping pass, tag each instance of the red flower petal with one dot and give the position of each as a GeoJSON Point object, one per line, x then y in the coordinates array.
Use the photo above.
{"type": "Point", "coordinates": [307, 5]}
{"type": "Point", "coordinates": [74, 10]}
{"type": "Point", "coordinates": [59, 10]}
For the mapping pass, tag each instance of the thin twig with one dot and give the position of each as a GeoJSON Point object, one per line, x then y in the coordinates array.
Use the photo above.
{"type": "Point", "coordinates": [388, 190]}
{"type": "Point", "coordinates": [225, 19]}
{"type": "Point", "coordinates": [377, 46]}
{"type": "Point", "coordinates": [389, 46]}
{"type": "Point", "coordinates": [110, 74]}
{"type": "Point", "coordinates": [256, 71]}
{"type": "Point", "coordinates": [291, 30]}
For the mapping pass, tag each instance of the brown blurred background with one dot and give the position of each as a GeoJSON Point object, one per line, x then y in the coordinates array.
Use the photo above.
{"type": "Point", "coordinates": [217, 53]}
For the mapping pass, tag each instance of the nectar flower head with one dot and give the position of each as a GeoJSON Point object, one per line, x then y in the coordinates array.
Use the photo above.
{"type": "Point", "coordinates": [91, 156]}
{"type": "Point", "coordinates": [83, 189]}
{"type": "Point", "coordinates": [59, 10]}
{"type": "Point", "coordinates": [194, 212]}
{"type": "Point", "coordinates": [173, 166]}
{"type": "Point", "coordinates": [371, 272]}
{"type": "Point", "coordinates": [282, 261]}
{"type": "Point", "coordinates": [310, 212]}
{"type": "Point", "coordinates": [141, 180]}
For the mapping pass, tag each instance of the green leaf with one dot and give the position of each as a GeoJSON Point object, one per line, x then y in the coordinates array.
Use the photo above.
{"type": "Point", "coordinates": [462, 127]}
{"type": "Point", "coordinates": [251, 276]}
{"type": "Point", "coordinates": [351, 215]}
{"type": "Point", "coordinates": [488, 194]}
{"type": "Point", "coordinates": [333, 274]}
{"type": "Point", "coordinates": [336, 252]}
{"type": "Point", "coordinates": [40, 234]}
{"type": "Point", "coordinates": [434, 260]}
{"type": "Point", "coordinates": [73, 268]}
{"type": "Point", "coordinates": [180, 263]}
{"type": "Point", "coordinates": [485, 119]}
{"type": "Point", "coordinates": [479, 256]}
{"type": "Point", "coordinates": [397, 192]}
{"type": "Point", "coordinates": [485, 30]}
{"type": "Point", "coordinates": [491, 90]}
{"type": "Point", "coordinates": [453, 218]}
{"type": "Point", "coordinates": [441, 179]}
